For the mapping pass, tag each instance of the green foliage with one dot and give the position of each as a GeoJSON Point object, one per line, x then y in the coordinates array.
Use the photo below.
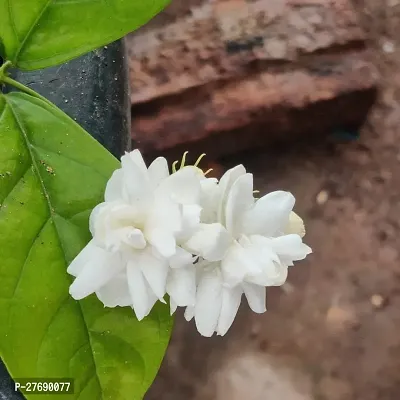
{"type": "Point", "coordinates": [40, 33]}
{"type": "Point", "coordinates": [52, 173]}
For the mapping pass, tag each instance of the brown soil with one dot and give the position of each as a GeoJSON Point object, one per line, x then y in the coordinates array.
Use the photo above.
{"type": "Point", "coordinates": [333, 331]}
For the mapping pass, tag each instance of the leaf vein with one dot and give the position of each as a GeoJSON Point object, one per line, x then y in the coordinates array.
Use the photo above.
{"type": "Point", "coordinates": [86, 384]}
{"type": "Point", "coordinates": [77, 351]}
{"type": "Point", "coordinates": [34, 163]}
{"type": "Point", "coordinates": [52, 319]}
{"type": "Point", "coordinates": [67, 158]}
{"type": "Point", "coordinates": [28, 254]}
{"type": "Point", "coordinates": [14, 186]}
{"type": "Point", "coordinates": [131, 346]}
{"type": "Point", "coordinates": [3, 111]}
{"type": "Point", "coordinates": [11, 15]}
{"type": "Point", "coordinates": [31, 29]}
{"type": "Point", "coordinates": [80, 212]}
{"type": "Point", "coordinates": [68, 2]}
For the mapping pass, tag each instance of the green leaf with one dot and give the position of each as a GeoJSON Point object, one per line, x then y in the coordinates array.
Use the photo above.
{"type": "Point", "coordinates": [40, 33]}
{"type": "Point", "coordinates": [52, 174]}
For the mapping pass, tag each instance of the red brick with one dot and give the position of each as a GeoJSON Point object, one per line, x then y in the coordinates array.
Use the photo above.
{"type": "Point", "coordinates": [245, 73]}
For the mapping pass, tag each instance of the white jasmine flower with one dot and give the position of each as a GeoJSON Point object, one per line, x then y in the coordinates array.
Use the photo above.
{"type": "Point", "coordinates": [202, 242]}
{"type": "Point", "coordinates": [248, 247]}
{"type": "Point", "coordinates": [185, 277]}
{"type": "Point", "coordinates": [134, 257]}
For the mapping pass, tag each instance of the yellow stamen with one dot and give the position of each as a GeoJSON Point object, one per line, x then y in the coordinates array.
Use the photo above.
{"type": "Point", "coordinates": [208, 171]}
{"type": "Point", "coordinates": [199, 159]}
{"type": "Point", "coordinates": [184, 159]}
{"type": "Point", "coordinates": [174, 166]}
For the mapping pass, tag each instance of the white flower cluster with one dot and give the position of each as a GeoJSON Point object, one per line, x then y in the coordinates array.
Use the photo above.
{"type": "Point", "coordinates": [203, 242]}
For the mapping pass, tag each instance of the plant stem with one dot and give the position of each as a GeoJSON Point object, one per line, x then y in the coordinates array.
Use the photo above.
{"type": "Point", "coordinates": [23, 88]}
{"type": "Point", "coordinates": [9, 81]}
{"type": "Point", "coordinates": [3, 69]}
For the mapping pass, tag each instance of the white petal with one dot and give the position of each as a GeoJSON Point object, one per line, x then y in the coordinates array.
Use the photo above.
{"type": "Point", "coordinates": [282, 277]}
{"type": "Point", "coordinates": [115, 292]}
{"type": "Point", "coordinates": [290, 248]}
{"type": "Point", "coordinates": [136, 239]}
{"type": "Point", "coordinates": [181, 258]}
{"type": "Point", "coordinates": [211, 241]}
{"type": "Point", "coordinates": [89, 252]}
{"type": "Point", "coordinates": [155, 270]}
{"type": "Point", "coordinates": [240, 199]}
{"type": "Point", "coordinates": [163, 225]}
{"type": "Point", "coordinates": [209, 200]}
{"type": "Point", "coordinates": [152, 300]}
{"type": "Point", "coordinates": [252, 260]}
{"type": "Point", "coordinates": [270, 214]}
{"type": "Point", "coordinates": [158, 171]}
{"type": "Point", "coordinates": [274, 275]}
{"type": "Point", "coordinates": [208, 302]}
{"type": "Point", "coordinates": [225, 184]}
{"type": "Point", "coordinates": [142, 298]}
{"type": "Point", "coordinates": [136, 158]}
{"type": "Point", "coordinates": [163, 241]}
{"type": "Point", "coordinates": [95, 219]}
{"type": "Point", "coordinates": [111, 225]}
{"type": "Point", "coordinates": [230, 176]}
{"type": "Point", "coordinates": [136, 180]}
{"type": "Point", "coordinates": [189, 313]}
{"type": "Point", "coordinates": [295, 225]}
{"type": "Point", "coordinates": [273, 272]}
{"type": "Point", "coordinates": [255, 295]}
{"type": "Point", "coordinates": [239, 263]}
{"type": "Point", "coordinates": [230, 304]}
{"type": "Point", "coordinates": [167, 213]}
{"type": "Point", "coordinates": [183, 186]}
{"type": "Point", "coordinates": [172, 306]}
{"type": "Point", "coordinates": [98, 270]}
{"type": "Point", "coordinates": [190, 221]}
{"type": "Point", "coordinates": [181, 285]}
{"type": "Point", "coordinates": [114, 188]}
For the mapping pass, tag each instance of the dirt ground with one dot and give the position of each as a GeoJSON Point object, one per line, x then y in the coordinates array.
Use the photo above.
{"type": "Point", "coordinates": [332, 332]}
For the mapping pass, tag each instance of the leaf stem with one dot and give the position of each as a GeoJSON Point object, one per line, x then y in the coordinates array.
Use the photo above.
{"type": "Point", "coordinates": [3, 69]}
{"type": "Point", "coordinates": [4, 78]}
{"type": "Point", "coordinates": [23, 88]}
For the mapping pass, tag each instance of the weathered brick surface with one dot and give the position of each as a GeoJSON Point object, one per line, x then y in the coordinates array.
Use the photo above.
{"type": "Point", "coordinates": [248, 70]}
